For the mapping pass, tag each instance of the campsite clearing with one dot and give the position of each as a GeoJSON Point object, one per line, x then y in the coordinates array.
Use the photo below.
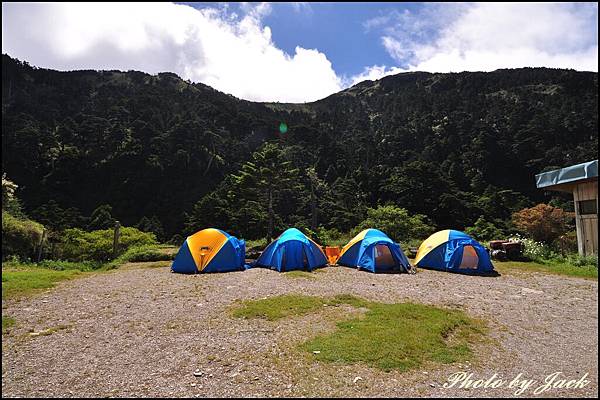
{"type": "Point", "coordinates": [142, 331]}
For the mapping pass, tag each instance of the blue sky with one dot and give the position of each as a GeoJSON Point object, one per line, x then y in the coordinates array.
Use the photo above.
{"type": "Point", "coordinates": [301, 51]}
{"type": "Point", "coordinates": [336, 29]}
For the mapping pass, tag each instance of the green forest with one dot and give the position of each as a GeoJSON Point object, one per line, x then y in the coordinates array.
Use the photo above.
{"type": "Point", "coordinates": [168, 156]}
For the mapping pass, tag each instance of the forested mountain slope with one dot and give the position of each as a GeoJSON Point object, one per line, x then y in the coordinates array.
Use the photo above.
{"type": "Point", "coordinates": [450, 146]}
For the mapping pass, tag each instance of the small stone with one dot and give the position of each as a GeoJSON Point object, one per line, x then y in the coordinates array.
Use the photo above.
{"type": "Point", "coordinates": [289, 386]}
{"type": "Point", "coordinates": [256, 378]}
{"type": "Point", "coordinates": [425, 373]}
{"type": "Point", "coordinates": [533, 291]}
{"type": "Point", "coordinates": [432, 384]}
{"type": "Point", "coordinates": [198, 373]}
{"type": "Point", "coordinates": [192, 384]}
{"type": "Point", "coordinates": [358, 378]}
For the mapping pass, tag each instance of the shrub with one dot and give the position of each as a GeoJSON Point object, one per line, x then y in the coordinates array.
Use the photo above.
{"type": "Point", "coordinates": [583, 261]}
{"type": "Point", "coordinates": [567, 243]}
{"type": "Point", "coordinates": [101, 218]}
{"type": "Point", "coordinates": [257, 244]}
{"type": "Point", "coordinates": [78, 245]}
{"type": "Point", "coordinates": [56, 265]}
{"type": "Point", "coordinates": [331, 237]}
{"type": "Point", "coordinates": [20, 237]}
{"type": "Point", "coordinates": [543, 223]}
{"type": "Point", "coordinates": [397, 223]}
{"type": "Point", "coordinates": [145, 254]}
{"type": "Point", "coordinates": [535, 251]}
{"type": "Point", "coordinates": [484, 230]}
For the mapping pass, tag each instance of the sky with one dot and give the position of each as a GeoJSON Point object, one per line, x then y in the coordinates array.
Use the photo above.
{"type": "Point", "coordinates": [300, 51]}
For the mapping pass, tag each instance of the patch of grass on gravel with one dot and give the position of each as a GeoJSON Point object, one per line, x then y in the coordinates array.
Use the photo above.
{"type": "Point", "coordinates": [299, 274]}
{"type": "Point", "coordinates": [506, 267]}
{"type": "Point", "coordinates": [7, 322]}
{"type": "Point", "coordinates": [23, 281]}
{"type": "Point", "coordinates": [399, 337]}
{"type": "Point", "coordinates": [277, 307]}
{"type": "Point", "coordinates": [389, 336]}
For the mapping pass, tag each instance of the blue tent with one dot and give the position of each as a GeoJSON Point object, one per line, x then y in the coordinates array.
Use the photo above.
{"type": "Point", "coordinates": [454, 251]}
{"type": "Point", "coordinates": [210, 250]}
{"type": "Point", "coordinates": [290, 251]}
{"type": "Point", "coordinates": [372, 250]}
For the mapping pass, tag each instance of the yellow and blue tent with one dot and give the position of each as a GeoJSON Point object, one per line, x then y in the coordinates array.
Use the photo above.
{"type": "Point", "coordinates": [372, 250]}
{"type": "Point", "coordinates": [454, 251]}
{"type": "Point", "coordinates": [210, 250]}
{"type": "Point", "coordinates": [290, 251]}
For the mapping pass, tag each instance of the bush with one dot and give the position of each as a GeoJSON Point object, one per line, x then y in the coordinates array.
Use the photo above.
{"type": "Point", "coordinates": [396, 223]}
{"type": "Point", "coordinates": [258, 244]}
{"type": "Point", "coordinates": [567, 243]}
{"type": "Point", "coordinates": [535, 251]}
{"type": "Point", "coordinates": [20, 237]}
{"type": "Point", "coordinates": [55, 265]}
{"type": "Point", "coordinates": [78, 245]}
{"type": "Point", "coordinates": [331, 237]}
{"type": "Point", "coordinates": [484, 230]}
{"type": "Point", "coordinates": [176, 240]}
{"type": "Point", "coordinates": [544, 254]}
{"type": "Point", "coordinates": [583, 261]}
{"type": "Point", "coordinates": [145, 254]}
{"type": "Point", "coordinates": [543, 223]}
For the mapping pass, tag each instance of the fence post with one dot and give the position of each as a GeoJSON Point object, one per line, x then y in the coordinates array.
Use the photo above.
{"type": "Point", "coordinates": [116, 239]}
{"type": "Point", "coordinates": [41, 245]}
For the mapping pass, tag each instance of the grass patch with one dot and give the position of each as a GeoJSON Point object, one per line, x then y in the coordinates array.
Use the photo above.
{"type": "Point", "coordinates": [586, 271]}
{"type": "Point", "coordinates": [389, 336]}
{"type": "Point", "coordinates": [28, 280]}
{"type": "Point", "coordinates": [399, 337]}
{"type": "Point", "coordinates": [273, 308]}
{"type": "Point", "coordinates": [7, 322]}
{"type": "Point", "coordinates": [299, 274]}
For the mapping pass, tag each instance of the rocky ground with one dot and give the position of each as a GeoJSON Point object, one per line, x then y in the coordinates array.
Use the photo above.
{"type": "Point", "coordinates": [143, 331]}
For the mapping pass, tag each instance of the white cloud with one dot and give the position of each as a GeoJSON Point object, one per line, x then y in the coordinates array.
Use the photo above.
{"type": "Point", "coordinates": [235, 53]}
{"type": "Point", "coordinates": [489, 36]}
{"type": "Point", "coordinates": [231, 53]}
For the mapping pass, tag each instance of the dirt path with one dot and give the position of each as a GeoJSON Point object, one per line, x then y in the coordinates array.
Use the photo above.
{"type": "Point", "coordinates": [144, 331]}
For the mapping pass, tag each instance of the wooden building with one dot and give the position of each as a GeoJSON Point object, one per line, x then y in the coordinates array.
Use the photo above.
{"type": "Point", "coordinates": [582, 181]}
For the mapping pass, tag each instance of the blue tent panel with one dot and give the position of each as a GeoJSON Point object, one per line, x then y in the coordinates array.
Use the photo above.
{"type": "Point", "coordinates": [348, 259]}
{"type": "Point", "coordinates": [184, 262]}
{"type": "Point", "coordinates": [229, 258]}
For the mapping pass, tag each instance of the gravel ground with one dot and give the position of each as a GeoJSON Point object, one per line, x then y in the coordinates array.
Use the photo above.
{"type": "Point", "coordinates": [144, 332]}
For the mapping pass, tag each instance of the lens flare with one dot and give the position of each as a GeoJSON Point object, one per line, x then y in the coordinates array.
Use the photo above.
{"type": "Point", "coordinates": [283, 128]}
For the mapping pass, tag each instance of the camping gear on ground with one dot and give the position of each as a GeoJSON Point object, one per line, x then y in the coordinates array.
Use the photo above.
{"type": "Point", "coordinates": [506, 249]}
{"type": "Point", "coordinates": [372, 250]}
{"type": "Point", "coordinates": [210, 250]}
{"type": "Point", "coordinates": [292, 250]}
{"type": "Point", "coordinates": [454, 251]}
{"type": "Point", "coordinates": [332, 253]}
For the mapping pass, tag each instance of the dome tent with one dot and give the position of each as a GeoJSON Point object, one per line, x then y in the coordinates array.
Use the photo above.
{"type": "Point", "coordinates": [292, 250]}
{"type": "Point", "coordinates": [455, 251]}
{"type": "Point", "coordinates": [372, 250]}
{"type": "Point", "coordinates": [210, 250]}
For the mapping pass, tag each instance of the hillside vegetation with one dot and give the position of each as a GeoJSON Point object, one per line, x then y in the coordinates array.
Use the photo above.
{"type": "Point", "coordinates": [176, 157]}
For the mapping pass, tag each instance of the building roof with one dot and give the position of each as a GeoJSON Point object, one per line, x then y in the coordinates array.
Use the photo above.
{"type": "Point", "coordinates": [573, 174]}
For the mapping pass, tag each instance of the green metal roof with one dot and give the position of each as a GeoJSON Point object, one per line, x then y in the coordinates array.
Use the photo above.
{"type": "Point", "coordinates": [574, 173]}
